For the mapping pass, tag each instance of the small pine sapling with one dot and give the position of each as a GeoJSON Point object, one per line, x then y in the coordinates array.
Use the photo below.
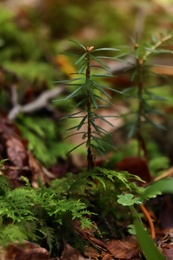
{"type": "Point", "coordinates": [142, 92]}
{"type": "Point", "coordinates": [93, 96]}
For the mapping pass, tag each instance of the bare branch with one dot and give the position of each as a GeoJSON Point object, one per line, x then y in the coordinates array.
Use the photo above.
{"type": "Point", "coordinates": [38, 103]}
{"type": "Point", "coordinates": [14, 95]}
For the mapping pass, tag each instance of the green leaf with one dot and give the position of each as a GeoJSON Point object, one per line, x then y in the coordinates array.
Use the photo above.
{"type": "Point", "coordinates": [153, 96]}
{"type": "Point", "coordinates": [153, 123]}
{"type": "Point", "coordinates": [131, 229]}
{"type": "Point", "coordinates": [78, 133]}
{"type": "Point", "coordinates": [99, 151]}
{"type": "Point", "coordinates": [74, 93]}
{"type": "Point", "coordinates": [109, 144]}
{"type": "Point", "coordinates": [82, 68]}
{"type": "Point", "coordinates": [97, 140]}
{"type": "Point", "coordinates": [71, 115]}
{"type": "Point", "coordinates": [105, 57]}
{"type": "Point", "coordinates": [82, 122]}
{"type": "Point", "coordinates": [104, 65]}
{"type": "Point", "coordinates": [105, 49]}
{"type": "Point", "coordinates": [79, 103]}
{"type": "Point", "coordinates": [103, 119]}
{"type": "Point", "coordinates": [12, 233]}
{"type": "Point", "coordinates": [77, 146]}
{"type": "Point", "coordinates": [95, 127]}
{"type": "Point", "coordinates": [3, 161]}
{"type": "Point", "coordinates": [101, 180]}
{"type": "Point", "coordinates": [66, 81]}
{"type": "Point", "coordinates": [128, 199]}
{"type": "Point", "coordinates": [159, 162]}
{"type": "Point", "coordinates": [102, 130]}
{"type": "Point", "coordinates": [115, 90]}
{"type": "Point", "coordinates": [103, 99]}
{"type": "Point", "coordinates": [146, 243]}
{"type": "Point", "coordinates": [157, 188]}
{"type": "Point", "coordinates": [102, 75]}
{"type": "Point", "coordinates": [101, 89]}
{"type": "Point", "coordinates": [71, 128]}
{"type": "Point", "coordinates": [81, 58]}
{"type": "Point", "coordinates": [85, 222]}
{"type": "Point", "coordinates": [133, 129]}
{"type": "Point", "coordinates": [92, 96]}
{"type": "Point", "coordinates": [78, 43]}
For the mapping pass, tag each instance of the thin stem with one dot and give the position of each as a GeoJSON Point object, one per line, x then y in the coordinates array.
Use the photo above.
{"type": "Point", "coordinates": [140, 108]}
{"type": "Point", "coordinates": [150, 222]}
{"type": "Point", "coordinates": [139, 64]}
{"type": "Point", "coordinates": [154, 47]}
{"type": "Point", "coordinates": [141, 143]}
{"type": "Point", "coordinates": [148, 217]}
{"type": "Point", "coordinates": [89, 114]}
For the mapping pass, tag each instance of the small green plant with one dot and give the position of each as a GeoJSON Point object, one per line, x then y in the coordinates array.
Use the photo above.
{"type": "Point", "coordinates": [129, 200]}
{"type": "Point", "coordinates": [142, 92]}
{"type": "Point", "coordinates": [36, 130]}
{"type": "Point", "coordinates": [93, 96]}
{"type": "Point", "coordinates": [43, 213]}
{"type": "Point", "coordinates": [34, 214]}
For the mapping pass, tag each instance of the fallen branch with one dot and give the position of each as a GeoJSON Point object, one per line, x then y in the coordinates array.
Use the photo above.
{"type": "Point", "coordinates": [168, 173]}
{"type": "Point", "coordinates": [40, 102]}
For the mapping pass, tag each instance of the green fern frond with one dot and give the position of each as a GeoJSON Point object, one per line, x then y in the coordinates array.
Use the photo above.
{"type": "Point", "coordinates": [30, 229]}
{"type": "Point", "coordinates": [18, 204]}
{"type": "Point", "coordinates": [117, 177]}
{"type": "Point", "coordinates": [4, 185]}
{"type": "Point", "coordinates": [48, 234]}
{"type": "Point", "coordinates": [11, 233]}
{"type": "Point", "coordinates": [74, 185]}
{"type": "Point", "coordinates": [42, 136]}
{"type": "Point", "coordinates": [86, 222]}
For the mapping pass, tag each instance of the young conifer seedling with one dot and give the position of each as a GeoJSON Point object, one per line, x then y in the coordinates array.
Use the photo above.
{"type": "Point", "coordinates": [93, 95]}
{"type": "Point", "coordinates": [143, 92]}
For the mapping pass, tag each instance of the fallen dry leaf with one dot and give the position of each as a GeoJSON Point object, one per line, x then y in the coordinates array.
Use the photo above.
{"type": "Point", "coordinates": [121, 249]}
{"type": "Point", "coordinates": [124, 249]}
{"type": "Point", "coordinates": [71, 253]}
{"type": "Point", "coordinates": [88, 234]}
{"type": "Point", "coordinates": [26, 251]}
{"type": "Point", "coordinates": [167, 250]}
{"type": "Point", "coordinates": [16, 151]}
{"type": "Point", "coordinates": [38, 171]}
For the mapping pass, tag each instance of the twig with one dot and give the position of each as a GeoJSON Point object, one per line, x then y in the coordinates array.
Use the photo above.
{"type": "Point", "coordinates": [40, 102]}
{"type": "Point", "coordinates": [158, 43]}
{"type": "Point", "coordinates": [89, 105]}
{"type": "Point", "coordinates": [14, 95]}
{"type": "Point", "coordinates": [14, 168]}
{"type": "Point", "coordinates": [168, 173]}
{"type": "Point", "coordinates": [147, 215]}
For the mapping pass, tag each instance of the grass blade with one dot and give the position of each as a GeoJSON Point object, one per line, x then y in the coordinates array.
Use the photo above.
{"type": "Point", "coordinates": [146, 243]}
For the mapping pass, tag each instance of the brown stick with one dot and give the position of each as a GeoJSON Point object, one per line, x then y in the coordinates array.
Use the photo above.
{"type": "Point", "coordinates": [40, 102]}
{"type": "Point", "coordinates": [148, 217]}
{"type": "Point", "coordinates": [168, 173]}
